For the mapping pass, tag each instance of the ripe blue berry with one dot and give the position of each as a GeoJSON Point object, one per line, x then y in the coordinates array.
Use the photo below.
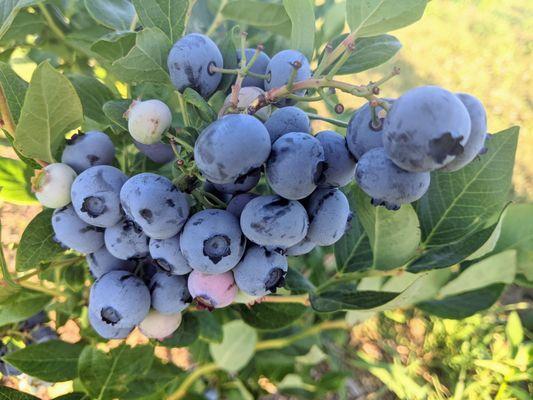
{"type": "Point", "coordinates": [329, 212]}
{"type": "Point", "coordinates": [285, 120]}
{"type": "Point", "coordinates": [169, 293]}
{"type": "Point", "coordinates": [340, 164]}
{"type": "Point", "coordinates": [167, 254]}
{"type": "Point", "coordinates": [71, 232]}
{"type": "Point", "coordinates": [126, 241]}
{"type": "Point", "coordinates": [86, 150]}
{"type": "Point", "coordinates": [102, 261]}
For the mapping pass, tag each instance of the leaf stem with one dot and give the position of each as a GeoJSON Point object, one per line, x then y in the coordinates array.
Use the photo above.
{"type": "Point", "coordinates": [51, 23]}
{"type": "Point", "coordinates": [286, 341]}
{"type": "Point", "coordinates": [219, 18]}
{"type": "Point", "coordinates": [327, 119]}
{"type": "Point", "coordinates": [300, 299]}
{"type": "Point", "coordinates": [183, 109]}
{"type": "Point", "coordinates": [38, 288]}
{"type": "Point", "coordinates": [184, 387]}
{"type": "Point", "coordinates": [5, 113]}
{"type": "Point", "coordinates": [330, 58]}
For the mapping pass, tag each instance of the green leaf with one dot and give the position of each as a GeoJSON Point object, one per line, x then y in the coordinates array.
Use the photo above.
{"type": "Point", "coordinates": [114, 110]}
{"type": "Point", "coordinates": [9, 10]}
{"type": "Point", "coordinates": [353, 252]}
{"type": "Point", "coordinates": [187, 333]}
{"type": "Point", "coordinates": [15, 184]}
{"type": "Point", "coordinates": [147, 60]}
{"type": "Point", "coordinates": [500, 268]}
{"type": "Point", "coordinates": [53, 361]}
{"type": "Point", "coordinates": [114, 45]}
{"type": "Point", "coordinates": [93, 95]}
{"type": "Point", "coordinates": [24, 24]}
{"type": "Point", "coordinates": [394, 235]}
{"type": "Point", "coordinates": [14, 89]}
{"type": "Point", "coordinates": [373, 17]}
{"type": "Point", "coordinates": [6, 393]}
{"type": "Point", "coordinates": [167, 15]}
{"type": "Point", "coordinates": [210, 328]}
{"type": "Point", "coordinates": [229, 56]}
{"type": "Point", "coordinates": [37, 244]}
{"type": "Point", "coordinates": [460, 203]}
{"type": "Point", "coordinates": [237, 347]}
{"type": "Point", "coordinates": [256, 13]}
{"type": "Point", "coordinates": [21, 305]}
{"type": "Point", "coordinates": [51, 109]}
{"type": "Point", "coordinates": [346, 297]}
{"type": "Point", "coordinates": [114, 14]}
{"type": "Point", "coordinates": [204, 109]}
{"type": "Point", "coordinates": [514, 329]}
{"type": "Point", "coordinates": [296, 282]}
{"type": "Point", "coordinates": [369, 52]}
{"type": "Point", "coordinates": [302, 16]}
{"type": "Point", "coordinates": [271, 315]}
{"type": "Point", "coordinates": [108, 375]}
{"type": "Point", "coordinates": [465, 304]}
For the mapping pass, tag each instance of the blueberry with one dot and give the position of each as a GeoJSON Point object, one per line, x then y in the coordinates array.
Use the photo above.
{"type": "Point", "coordinates": [160, 153]}
{"type": "Point", "coordinates": [274, 222]}
{"type": "Point", "coordinates": [280, 68]}
{"type": "Point", "coordinates": [169, 293]}
{"type": "Point", "coordinates": [299, 249]}
{"type": "Point", "coordinates": [231, 147]}
{"type": "Point", "coordinates": [106, 330]}
{"type": "Point", "coordinates": [388, 184]}
{"type": "Point", "coordinates": [147, 268]}
{"type": "Point", "coordinates": [126, 241]}
{"type": "Point", "coordinates": [340, 163]}
{"type": "Point", "coordinates": [425, 129]}
{"type": "Point", "coordinates": [155, 204]}
{"type": "Point", "coordinates": [246, 96]}
{"type": "Point", "coordinates": [119, 299]}
{"type": "Point", "coordinates": [261, 271]}
{"type": "Point", "coordinates": [259, 67]}
{"type": "Point", "coordinates": [52, 184]}
{"type": "Point", "coordinates": [73, 233]}
{"type": "Point", "coordinates": [213, 291]}
{"type": "Point", "coordinates": [238, 202]}
{"type": "Point", "coordinates": [478, 130]}
{"type": "Point", "coordinates": [167, 254]}
{"type": "Point", "coordinates": [148, 120]}
{"type": "Point", "coordinates": [95, 195]}
{"type": "Point", "coordinates": [329, 212]}
{"type": "Point", "coordinates": [189, 64]}
{"type": "Point", "coordinates": [6, 369]}
{"type": "Point", "coordinates": [42, 334]}
{"type": "Point", "coordinates": [33, 321]}
{"type": "Point", "coordinates": [159, 326]}
{"type": "Point", "coordinates": [295, 165]}
{"type": "Point", "coordinates": [362, 133]}
{"type": "Point", "coordinates": [285, 120]}
{"type": "Point", "coordinates": [87, 150]}
{"type": "Point", "coordinates": [101, 262]}
{"type": "Point", "coordinates": [212, 241]}
{"type": "Point", "coordinates": [241, 185]}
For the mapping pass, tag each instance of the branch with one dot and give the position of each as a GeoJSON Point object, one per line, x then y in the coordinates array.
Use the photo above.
{"type": "Point", "coordinates": [190, 379]}
{"type": "Point", "coordinates": [5, 113]}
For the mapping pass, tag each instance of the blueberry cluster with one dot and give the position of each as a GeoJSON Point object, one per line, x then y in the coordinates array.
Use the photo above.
{"type": "Point", "coordinates": [152, 250]}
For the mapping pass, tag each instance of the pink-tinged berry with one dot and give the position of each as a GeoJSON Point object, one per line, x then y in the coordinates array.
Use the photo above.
{"type": "Point", "coordinates": [51, 185]}
{"type": "Point", "coordinates": [148, 120]}
{"type": "Point", "coordinates": [212, 291]}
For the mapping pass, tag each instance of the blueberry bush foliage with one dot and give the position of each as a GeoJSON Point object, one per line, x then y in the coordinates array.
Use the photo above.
{"type": "Point", "coordinates": [448, 246]}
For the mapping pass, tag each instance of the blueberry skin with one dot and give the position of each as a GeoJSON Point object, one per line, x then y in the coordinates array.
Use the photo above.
{"type": "Point", "coordinates": [425, 129]}
{"type": "Point", "coordinates": [169, 293]}
{"type": "Point", "coordinates": [126, 241]}
{"type": "Point", "coordinates": [160, 153]}
{"type": "Point", "coordinates": [189, 61]}
{"type": "Point", "coordinates": [102, 261]}
{"type": "Point", "coordinates": [329, 212]}
{"type": "Point", "coordinates": [259, 67]}
{"type": "Point", "coordinates": [95, 195]}
{"type": "Point", "coordinates": [304, 247]}
{"type": "Point", "coordinates": [42, 334]}
{"type": "Point", "coordinates": [295, 165]}
{"type": "Point", "coordinates": [386, 183]}
{"type": "Point", "coordinates": [241, 185]}
{"type": "Point", "coordinates": [87, 150]}
{"type": "Point", "coordinates": [167, 254]}
{"type": "Point", "coordinates": [260, 271]}
{"type": "Point", "coordinates": [478, 130]}
{"type": "Point", "coordinates": [285, 120]}
{"type": "Point", "coordinates": [212, 241]}
{"type": "Point", "coordinates": [273, 221]}
{"type": "Point", "coordinates": [238, 202]}
{"type": "Point", "coordinates": [212, 291]}
{"type": "Point", "coordinates": [231, 147]}
{"type": "Point", "coordinates": [155, 204]}
{"type": "Point", "coordinates": [73, 233]}
{"type": "Point", "coordinates": [340, 163]}
{"type": "Point", "coordinates": [33, 321]}
{"type": "Point", "coordinates": [361, 134]}
{"type": "Point", "coordinates": [108, 331]}
{"type": "Point", "coordinates": [119, 299]}
{"type": "Point", "coordinates": [279, 71]}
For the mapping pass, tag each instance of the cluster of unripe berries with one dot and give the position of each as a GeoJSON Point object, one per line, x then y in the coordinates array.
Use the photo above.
{"type": "Point", "coordinates": [151, 258]}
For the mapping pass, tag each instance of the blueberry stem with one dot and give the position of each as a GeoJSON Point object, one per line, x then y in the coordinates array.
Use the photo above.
{"type": "Point", "coordinates": [212, 68]}
{"type": "Point", "coordinates": [334, 54]}
{"type": "Point", "coordinates": [304, 98]}
{"type": "Point", "coordinates": [327, 119]}
{"type": "Point", "coordinates": [341, 61]}
{"type": "Point", "coordinates": [199, 372]}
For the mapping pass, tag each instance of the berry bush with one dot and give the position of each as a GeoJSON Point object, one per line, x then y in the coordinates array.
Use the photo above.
{"type": "Point", "coordinates": [188, 200]}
